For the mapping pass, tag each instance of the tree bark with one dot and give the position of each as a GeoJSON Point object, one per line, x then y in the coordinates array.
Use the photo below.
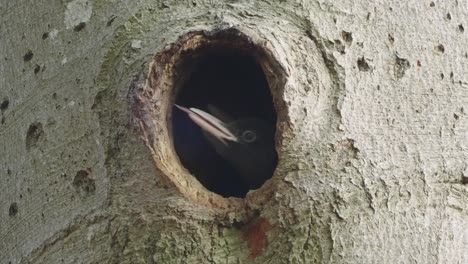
{"type": "Point", "coordinates": [372, 134]}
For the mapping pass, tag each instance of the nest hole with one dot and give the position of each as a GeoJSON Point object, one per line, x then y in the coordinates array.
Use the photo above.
{"type": "Point", "coordinates": [230, 80]}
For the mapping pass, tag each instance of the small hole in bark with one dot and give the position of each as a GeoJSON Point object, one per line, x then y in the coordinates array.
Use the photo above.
{"type": "Point", "coordinates": [363, 65]}
{"type": "Point", "coordinates": [347, 37]}
{"type": "Point", "coordinates": [224, 77]}
{"type": "Point", "coordinates": [440, 48]}
{"type": "Point", "coordinates": [464, 180]}
{"type": "Point", "coordinates": [34, 135]}
{"type": "Point", "coordinates": [37, 68]}
{"type": "Point", "coordinates": [110, 21]}
{"type": "Point", "coordinates": [28, 56]}
{"type": "Point", "coordinates": [83, 182]}
{"type": "Point", "coordinates": [461, 28]}
{"type": "Point", "coordinates": [45, 35]}
{"type": "Point", "coordinates": [401, 65]}
{"type": "Point", "coordinates": [13, 210]}
{"type": "Point", "coordinates": [4, 105]}
{"type": "Point", "coordinates": [79, 27]}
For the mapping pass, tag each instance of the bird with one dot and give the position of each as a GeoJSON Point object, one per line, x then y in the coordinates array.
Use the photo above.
{"type": "Point", "coordinates": [247, 144]}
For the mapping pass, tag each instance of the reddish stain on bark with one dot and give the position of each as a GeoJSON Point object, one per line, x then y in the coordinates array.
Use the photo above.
{"type": "Point", "coordinates": [255, 234]}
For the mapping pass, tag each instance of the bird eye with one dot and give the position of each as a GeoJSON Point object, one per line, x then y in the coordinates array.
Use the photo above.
{"type": "Point", "coordinates": [249, 136]}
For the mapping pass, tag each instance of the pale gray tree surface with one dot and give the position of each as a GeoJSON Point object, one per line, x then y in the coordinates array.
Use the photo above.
{"type": "Point", "coordinates": [372, 134]}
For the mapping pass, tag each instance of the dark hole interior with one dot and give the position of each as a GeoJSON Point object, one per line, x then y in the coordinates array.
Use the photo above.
{"type": "Point", "coordinates": [232, 81]}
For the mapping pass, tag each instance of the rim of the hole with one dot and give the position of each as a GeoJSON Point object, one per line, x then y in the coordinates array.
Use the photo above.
{"type": "Point", "coordinates": [184, 72]}
{"type": "Point", "coordinates": [166, 68]}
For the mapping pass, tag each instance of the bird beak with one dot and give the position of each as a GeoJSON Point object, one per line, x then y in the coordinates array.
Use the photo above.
{"type": "Point", "coordinates": [210, 124]}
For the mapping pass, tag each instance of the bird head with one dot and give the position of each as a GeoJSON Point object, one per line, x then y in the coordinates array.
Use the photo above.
{"type": "Point", "coordinates": [247, 144]}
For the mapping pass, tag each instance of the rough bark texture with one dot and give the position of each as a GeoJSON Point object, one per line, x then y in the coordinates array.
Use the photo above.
{"type": "Point", "coordinates": [372, 135]}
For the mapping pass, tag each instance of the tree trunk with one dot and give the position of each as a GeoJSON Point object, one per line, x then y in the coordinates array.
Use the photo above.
{"type": "Point", "coordinates": [372, 129]}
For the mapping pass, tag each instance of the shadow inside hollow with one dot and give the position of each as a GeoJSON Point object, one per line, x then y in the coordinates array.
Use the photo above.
{"type": "Point", "coordinates": [232, 81]}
